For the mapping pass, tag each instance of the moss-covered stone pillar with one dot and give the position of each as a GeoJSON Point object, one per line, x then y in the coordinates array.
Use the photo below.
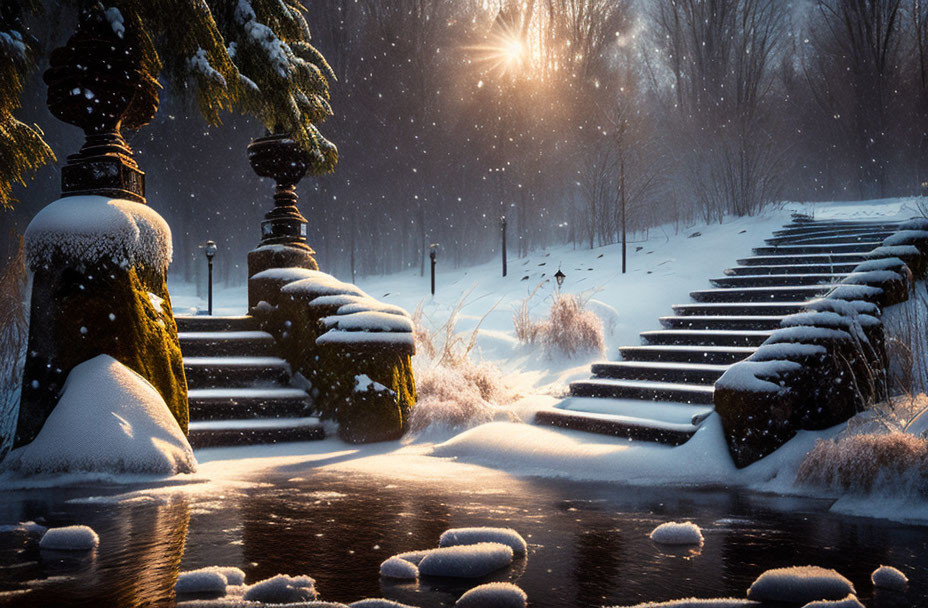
{"type": "Point", "coordinates": [99, 255]}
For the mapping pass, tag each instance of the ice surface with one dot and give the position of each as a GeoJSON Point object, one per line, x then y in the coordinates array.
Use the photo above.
{"type": "Point", "coordinates": [887, 577]}
{"type": "Point", "coordinates": [673, 533]}
{"type": "Point", "coordinates": [697, 603]}
{"type": "Point", "coordinates": [800, 584]}
{"type": "Point", "coordinates": [108, 419]}
{"type": "Point", "coordinates": [493, 595]}
{"type": "Point", "coordinates": [205, 580]}
{"type": "Point", "coordinates": [282, 589]}
{"type": "Point", "coordinates": [70, 538]}
{"type": "Point", "coordinates": [472, 536]}
{"type": "Point", "coordinates": [466, 561]}
{"type": "Point", "coordinates": [399, 568]}
{"type": "Point", "coordinates": [91, 229]}
{"type": "Point", "coordinates": [850, 601]}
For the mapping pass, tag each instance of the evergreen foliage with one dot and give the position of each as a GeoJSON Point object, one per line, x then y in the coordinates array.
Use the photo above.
{"type": "Point", "coordinates": [248, 56]}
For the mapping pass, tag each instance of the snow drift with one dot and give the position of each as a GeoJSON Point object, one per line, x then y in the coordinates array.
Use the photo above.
{"type": "Point", "coordinates": [109, 420]}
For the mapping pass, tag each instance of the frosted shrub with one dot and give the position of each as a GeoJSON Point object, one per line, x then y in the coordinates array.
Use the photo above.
{"type": "Point", "coordinates": [863, 463]}
{"type": "Point", "coordinates": [571, 328]}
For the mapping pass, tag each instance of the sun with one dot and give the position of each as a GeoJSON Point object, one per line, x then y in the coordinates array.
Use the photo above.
{"type": "Point", "coordinates": [504, 53]}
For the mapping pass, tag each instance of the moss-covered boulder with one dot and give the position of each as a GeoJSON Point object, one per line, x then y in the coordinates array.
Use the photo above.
{"type": "Point", "coordinates": [99, 287]}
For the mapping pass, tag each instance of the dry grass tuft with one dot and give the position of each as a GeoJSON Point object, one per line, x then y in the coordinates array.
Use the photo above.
{"type": "Point", "coordinates": [570, 328]}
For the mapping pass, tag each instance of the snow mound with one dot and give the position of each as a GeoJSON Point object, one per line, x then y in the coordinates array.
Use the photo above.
{"type": "Point", "coordinates": [693, 602]}
{"type": "Point", "coordinates": [91, 229]}
{"type": "Point", "coordinates": [399, 568]}
{"type": "Point", "coordinates": [800, 584]}
{"type": "Point", "coordinates": [887, 577]}
{"type": "Point", "coordinates": [472, 536]}
{"type": "Point", "coordinates": [673, 533]}
{"type": "Point", "coordinates": [466, 561]}
{"type": "Point", "coordinates": [369, 321]}
{"type": "Point", "coordinates": [850, 601]}
{"type": "Point", "coordinates": [493, 595]}
{"type": "Point", "coordinates": [70, 538]}
{"type": "Point", "coordinates": [414, 557]}
{"type": "Point", "coordinates": [319, 283]}
{"type": "Point", "coordinates": [108, 419]}
{"type": "Point", "coordinates": [205, 580]}
{"type": "Point", "coordinates": [282, 589]}
{"type": "Point", "coordinates": [378, 603]}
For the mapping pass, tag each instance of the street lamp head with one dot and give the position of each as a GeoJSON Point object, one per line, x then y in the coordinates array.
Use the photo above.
{"type": "Point", "coordinates": [502, 220]}
{"type": "Point", "coordinates": [209, 248]}
{"type": "Point", "coordinates": [559, 277]}
{"type": "Point", "coordinates": [433, 250]}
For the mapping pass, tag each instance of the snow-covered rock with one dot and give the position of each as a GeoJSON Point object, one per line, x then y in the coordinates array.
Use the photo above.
{"type": "Point", "coordinates": [205, 580]}
{"type": "Point", "coordinates": [850, 601]}
{"type": "Point", "coordinates": [399, 568]}
{"type": "Point", "coordinates": [693, 602]}
{"type": "Point", "coordinates": [887, 577]}
{"type": "Point", "coordinates": [282, 589]}
{"type": "Point", "coordinates": [70, 538]}
{"type": "Point", "coordinates": [91, 229]}
{"type": "Point", "coordinates": [800, 584]}
{"type": "Point", "coordinates": [466, 561]}
{"type": "Point", "coordinates": [472, 536]}
{"type": "Point", "coordinates": [673, 533]}
{"type": "Point", "coordinates": [493, 595]}
{"type": "Point", "coordinates": [378, 602]}
{"type": "Point", "coordinates": [108, 419]}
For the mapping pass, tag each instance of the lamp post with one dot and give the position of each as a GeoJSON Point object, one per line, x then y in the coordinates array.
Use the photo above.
{"type": "Point", "coordinates": [433, 252]}
{"type": "Point", "coordinates": [502, 227]}
{"type": "Point", "coordinates": [559, 277]}
{"type": "Point", "coordinates": [209, 248]}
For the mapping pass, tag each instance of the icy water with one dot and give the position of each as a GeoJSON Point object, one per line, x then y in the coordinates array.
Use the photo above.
{"type": "Point", "coordinates": [588, 543]}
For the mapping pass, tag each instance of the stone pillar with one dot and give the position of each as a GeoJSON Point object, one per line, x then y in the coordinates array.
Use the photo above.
{"type": "Point", "coordinates": [99, 255]}
{"type": "Point", "coordinates": [283, 231]}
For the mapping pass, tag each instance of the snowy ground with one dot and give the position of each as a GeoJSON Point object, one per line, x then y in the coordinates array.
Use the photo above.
{"type": "Point", "coordinates": [662, 270]}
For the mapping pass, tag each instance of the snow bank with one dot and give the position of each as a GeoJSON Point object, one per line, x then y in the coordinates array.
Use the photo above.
{"type": "Point", "coordinates": [205, 580]}
{"type": "Point", "coordinates": [398, 568]}
{"type": "Point", "coordinates": [693, 602]}
{"type": "Point", "coordinates": [282, 589]}
{"type": "Point", "coordinates": [109, 419]}
{"type": "Point", "coordinates": [850, 601]}
{"type": "Point", "coordinates": [493, 595]}
{"type": "Point", "coordinates": [673, 533]}
{"type": "Point", "coordinates": [887, 577]}
{"type": "Point", "coordinates": [799, 584]}
{"type": "Point", "coordinates": [748, 375]}
{"type": "Point", "coordinates": [319, 284]}
{"type": "Point", "coordinates": [378, 603]}
{"type": "Point", "coordinates": [466, 561]}
{"type": "Point", "coordinates": [289, 274]}
{"type": "Point", "coordinates": [70, 538]}
{"type": "Point", "coordinates": [473, 536]}
{"type": "Point", "coordinates": [92, 229]}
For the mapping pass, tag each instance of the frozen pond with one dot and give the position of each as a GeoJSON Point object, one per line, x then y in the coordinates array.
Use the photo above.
{"type": "Point", "coordinates": [588, 543]}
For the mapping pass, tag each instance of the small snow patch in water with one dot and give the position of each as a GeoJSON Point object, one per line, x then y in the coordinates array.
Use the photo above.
{"type": "Point", "coordinates": [493, 595]}
{"type": "Point", "coordinates": [205, 580]}
{"type": "Point", "coordinates": [692, 602]}
{"type": "Point", "coordinates": [887, 577]}
{"type": "Point", "coordinates": [282, 589]}
{"type": "Point", "coordinates": [471, 536]}
{"type": "Point", "coordinates": [413, 557]}
{"type": "Point", "coordinates": [850, 601]}
{"type": "Point", "coordinates": [466, 561]}
{"type": "Point", "coordinates": [29, 527]}
{"type": "Point", "coordinates": [70, 538]}
{"type": "Point", "coordinates": [399, 568]}
{"type": "Point", "coordinates": [800, 584]}
{"type": "Point", "coordinates": [673, 533]}
{"type": "Point", "coordinates": [378, 603]}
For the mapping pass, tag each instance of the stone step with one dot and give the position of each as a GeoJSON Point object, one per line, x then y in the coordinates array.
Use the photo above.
{"type": "Point", "coordinates": [829, 238]}
{"type": "Point", "coordinates": [644, 390]}
{"type": "Point", "coordinates": [227, 344]}
{"type": "Point", "coordinates": [793, 269]}
{"type": "Point", "coordinates": [862, 247]}
{"type": "Point", "coordinates": [231, 372]}
{"type": "Point", "coordinates": [192, 323]}
{"type": "Point", "coordinates": [715, 355]}
{"type": "Point", "coordinates": [812, 258]}
{"type": "Point", "coordinates": [778, 280]}
{"type": "Point", "coordinates": [254, 432]}
{"type": "Point", "coordinates": [704, 337]}
{"type": "Point", "coordinates": [618, 426]}
{"type": "Point", "coordinates": [243, 403]}
{"type": "Point", "coordinates": [739, 308]}
{"type": "Point", "coordinates": [818, 229]}
{"type": "Point", "coordinates": [655, 371]}
{"type": "Point", "coordinates": [761, 294]}
{"type": "Point", "coordinates": [756, 322]}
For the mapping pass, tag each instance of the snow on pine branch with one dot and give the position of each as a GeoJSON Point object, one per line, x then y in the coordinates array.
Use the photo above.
{"type": "Point", "coordinates": [13, 41]}
{"type": "Point", "coordinates": [200, 63]}
{"type": "Point", "coordinates": [92, 229]}
{"type": "Point", "coordinates": [114, 17]}
{"type": "Point", "coordinates": [277, 50]}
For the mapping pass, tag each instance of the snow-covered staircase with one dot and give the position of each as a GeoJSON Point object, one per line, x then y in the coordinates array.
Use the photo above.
{"type": "Point", "coordinates": [239, 391]}
{"type": "Point", "coordinates": [663, 390]}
